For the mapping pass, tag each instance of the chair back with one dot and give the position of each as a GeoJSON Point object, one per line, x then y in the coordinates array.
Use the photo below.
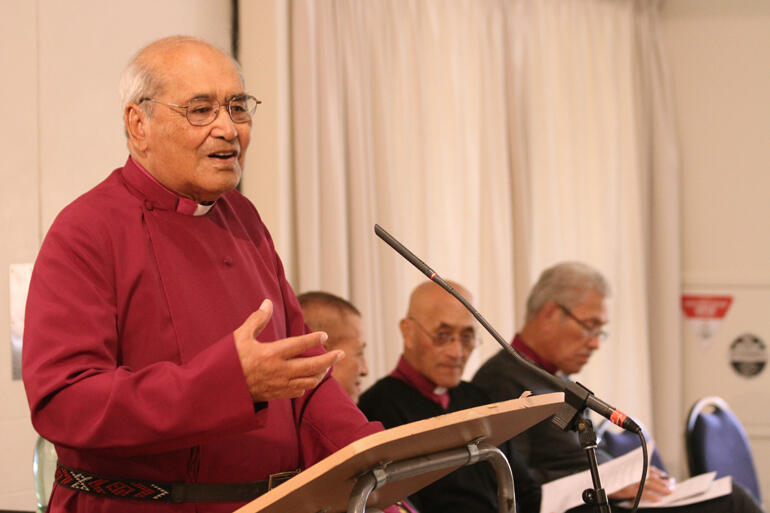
{"type": "Point", "coordinates": [716, 441]}
{"type": "Point", "coordinates": [618, 443]}
{"type": "Point", "coordinates": [44, 460]}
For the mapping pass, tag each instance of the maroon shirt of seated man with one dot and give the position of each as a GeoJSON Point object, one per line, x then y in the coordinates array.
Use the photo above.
{"type": "Point", "coordinates": [163, 342]}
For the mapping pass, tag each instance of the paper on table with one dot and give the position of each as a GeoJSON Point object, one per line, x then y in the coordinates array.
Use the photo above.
{"type": "Point", "coordinates": [716, 488]}
{"type": "Point", "coordinates": [562, 494]}
{"type": "Point", "coordinates": [692, 487]}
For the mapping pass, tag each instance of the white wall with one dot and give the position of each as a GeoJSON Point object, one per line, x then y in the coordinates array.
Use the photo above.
{"type": "Point", "coordinates": [719, 57]}
{"type": "Point", "coordinates": [264, 56]}
{"type": "Point", "coordinates": [61, 134]}
{"type": "Point", "coordinates": [20, 205]}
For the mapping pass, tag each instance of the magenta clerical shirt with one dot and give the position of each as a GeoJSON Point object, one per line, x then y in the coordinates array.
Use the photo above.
{"type": "Point", "coordinates": [129, 361]}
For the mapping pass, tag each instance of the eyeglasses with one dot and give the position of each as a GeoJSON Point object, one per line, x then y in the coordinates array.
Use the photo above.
{"type": "Point", "coordinates": [203, 111]}
{"type": "Point", "coordinates": [591, 331]}
{"type": "Point", "coordinates": [445, 336]}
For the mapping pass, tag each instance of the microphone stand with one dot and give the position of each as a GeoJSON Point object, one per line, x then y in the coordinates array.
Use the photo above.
{"type": "Point", "coordinates": [576, 397]}
{"type": "Point", "coordinates": [595, 496]}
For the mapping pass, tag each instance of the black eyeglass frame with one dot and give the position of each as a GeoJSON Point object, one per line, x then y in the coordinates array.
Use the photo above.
{"type": "Point", "coordinates": [591, 331]}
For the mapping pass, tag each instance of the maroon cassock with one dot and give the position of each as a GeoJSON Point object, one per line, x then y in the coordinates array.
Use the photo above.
{"type": "Point", "coordinates": [129, 360]}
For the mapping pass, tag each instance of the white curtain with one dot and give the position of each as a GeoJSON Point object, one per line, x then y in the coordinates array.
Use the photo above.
{"type": "Point", "coordinates": [493, 138]}
{"type": "Point", "coordinates": [400, 118]}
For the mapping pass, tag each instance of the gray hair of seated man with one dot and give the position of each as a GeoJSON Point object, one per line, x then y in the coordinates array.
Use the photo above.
{"type": "Point", "coordinates": [565, 283]}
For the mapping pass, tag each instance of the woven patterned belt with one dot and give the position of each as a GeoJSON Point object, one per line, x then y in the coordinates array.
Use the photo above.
{"type": "Point", "coordinates": [166, 492]}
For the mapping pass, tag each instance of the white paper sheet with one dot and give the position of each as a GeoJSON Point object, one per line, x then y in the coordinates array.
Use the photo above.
{"type": "Point", "coordinates": [716, 488]}
{"type": "Point", "coordinates": [684, 490]}
{"type": "Point", "coordinates": [565, 493]}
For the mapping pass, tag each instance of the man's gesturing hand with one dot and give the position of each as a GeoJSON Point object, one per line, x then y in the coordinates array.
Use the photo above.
{"type": "Point", "coordinates": [273, 370]}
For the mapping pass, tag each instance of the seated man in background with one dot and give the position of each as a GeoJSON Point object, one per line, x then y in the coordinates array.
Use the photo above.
{"type": "Point", "coordinates": [566, 314]}
{"type": "Point", "coordinates": [439, 335]}
{"type": "Point", "coordinates": [341, 321]}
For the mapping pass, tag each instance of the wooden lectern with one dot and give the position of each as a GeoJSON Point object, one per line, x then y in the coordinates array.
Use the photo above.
{"type": "Point", "coordinates": [417, 449]}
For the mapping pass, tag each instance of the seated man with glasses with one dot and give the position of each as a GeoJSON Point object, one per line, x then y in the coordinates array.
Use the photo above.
{"type": "Point", "coordinates": [565, 319]}
{"type": "Point", "coordinates": [165, 354]}
{"type": "Point", "coordinates": [439, 335]}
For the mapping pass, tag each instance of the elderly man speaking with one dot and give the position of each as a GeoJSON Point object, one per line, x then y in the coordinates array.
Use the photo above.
{"type": "Point", "coordinates": [165, 353]}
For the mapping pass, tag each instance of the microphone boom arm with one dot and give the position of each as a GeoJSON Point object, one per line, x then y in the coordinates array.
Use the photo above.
{"type": "Point", "coordinates": [576, 396]}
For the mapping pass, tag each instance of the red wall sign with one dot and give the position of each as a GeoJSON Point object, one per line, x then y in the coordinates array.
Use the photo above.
{"type": "Point", "coordinates": [706, 307]}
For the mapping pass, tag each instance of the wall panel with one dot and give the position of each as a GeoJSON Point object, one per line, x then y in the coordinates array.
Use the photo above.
{"type": "Point", "coordinates": [62, 134]}
{"type": "Point", "coordinates": [19, 204]}
{"type": "Point", "coordinates": [719, 54]}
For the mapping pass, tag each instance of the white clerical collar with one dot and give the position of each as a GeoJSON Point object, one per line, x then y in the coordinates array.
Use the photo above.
{"type": "Point", "coordinates": [203, 208]}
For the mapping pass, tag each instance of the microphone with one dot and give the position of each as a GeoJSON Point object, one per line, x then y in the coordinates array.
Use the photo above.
{"type": "Point", "coordinates": [576, 396]}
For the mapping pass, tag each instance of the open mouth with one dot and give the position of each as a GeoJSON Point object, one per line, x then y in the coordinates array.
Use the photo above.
{"type": "Point", "coordinates": [223, 155]}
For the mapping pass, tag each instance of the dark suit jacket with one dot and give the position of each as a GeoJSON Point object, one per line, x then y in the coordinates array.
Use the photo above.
{"type": "Point", "coordinates": [469, 489]}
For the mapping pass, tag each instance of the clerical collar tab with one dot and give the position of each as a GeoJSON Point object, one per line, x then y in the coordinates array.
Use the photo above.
{"type": "Point", "coordinates": [203, 208]}
{"type": "Point", "coordinates": [160, 196]}
{"type": "Point", "coordinates": [189, 207]}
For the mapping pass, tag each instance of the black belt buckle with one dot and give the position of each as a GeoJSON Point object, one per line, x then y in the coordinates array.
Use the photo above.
{"type": "Point", "coordinates": [280, 477]}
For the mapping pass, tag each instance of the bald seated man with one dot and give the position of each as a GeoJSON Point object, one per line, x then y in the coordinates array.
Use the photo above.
{"type": "Point", "coordinates": [165, 354]}
{"type": "Point", "coordinates": [439, 335]}
{"type": "Point", "coordinates": [341, 321]}
{"type": "Point", "coordinates": [566, 318]}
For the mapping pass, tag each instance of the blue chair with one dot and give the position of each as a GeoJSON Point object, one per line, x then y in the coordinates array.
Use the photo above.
{"type": "Point", "coordinates": [716, 441]}
{"type": "Point", "coordinates": [617, 443]}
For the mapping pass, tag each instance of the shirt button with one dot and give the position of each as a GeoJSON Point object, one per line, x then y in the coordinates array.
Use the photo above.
{"type": "Point", "coordinates": [228, 261]}
{"type": "Point", "coordinates": [148, 204]}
